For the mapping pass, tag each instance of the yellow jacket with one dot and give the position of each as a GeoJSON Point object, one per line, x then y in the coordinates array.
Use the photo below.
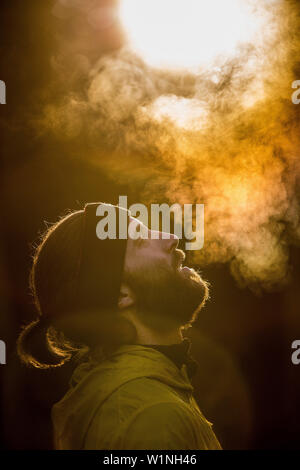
{"type": "Point", "coordinates": [135, 399]}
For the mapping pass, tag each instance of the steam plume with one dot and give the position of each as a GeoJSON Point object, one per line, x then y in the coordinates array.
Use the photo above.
{"type": "Point", "coordinates": [227, 137]}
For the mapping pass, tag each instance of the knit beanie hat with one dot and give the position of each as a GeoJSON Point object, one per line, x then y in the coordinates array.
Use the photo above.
{"type": "Point", "coordinates": [76, 286]}
{"type": "Point", "coordinates": [101, 261]}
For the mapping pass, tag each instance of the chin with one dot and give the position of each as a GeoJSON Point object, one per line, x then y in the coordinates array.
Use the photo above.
{"type": "Point", "coordinates": [190, 273]}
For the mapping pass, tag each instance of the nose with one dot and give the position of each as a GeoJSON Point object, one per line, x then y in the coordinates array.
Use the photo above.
{"type": "Point", "coordinates": [171, 242]}
{"type": "Point", "coordinates": [168, 240]}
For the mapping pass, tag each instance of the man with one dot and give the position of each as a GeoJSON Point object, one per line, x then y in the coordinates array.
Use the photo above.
{"type": "Point", "coordinates": [128, 301]}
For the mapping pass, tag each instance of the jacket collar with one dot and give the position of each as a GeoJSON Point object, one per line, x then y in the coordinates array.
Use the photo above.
{"type": "Point", "coordinates": [179, 353]}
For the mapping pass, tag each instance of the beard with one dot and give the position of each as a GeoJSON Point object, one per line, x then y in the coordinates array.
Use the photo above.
{"type": "Point", "coordinates": [166, 297]}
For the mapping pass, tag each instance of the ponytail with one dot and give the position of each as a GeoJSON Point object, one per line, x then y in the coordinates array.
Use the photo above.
{"type": "Point", "coordinates": [40, 345]}
{"type": "Point", "coordinates": [51, 282]}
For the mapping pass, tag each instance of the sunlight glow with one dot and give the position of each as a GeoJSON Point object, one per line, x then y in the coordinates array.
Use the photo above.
{"type": "Point", "coordinates": [185, 113]}
{"type": "Point", "coordinates": [188, 33]}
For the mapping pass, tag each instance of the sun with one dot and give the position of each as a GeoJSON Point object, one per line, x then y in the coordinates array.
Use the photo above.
{"type": "Point", "coordinates": [189, 33]}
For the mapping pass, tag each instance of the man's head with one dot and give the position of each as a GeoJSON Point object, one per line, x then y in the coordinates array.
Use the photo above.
{"type": "Point", "coordinates": [86, 287]}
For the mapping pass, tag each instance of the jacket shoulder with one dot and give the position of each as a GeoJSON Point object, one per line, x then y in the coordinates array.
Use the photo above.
{"type": "Point", "coordinates": [161, 425]}
{"type": "Point", "coordinates": [168, 426]}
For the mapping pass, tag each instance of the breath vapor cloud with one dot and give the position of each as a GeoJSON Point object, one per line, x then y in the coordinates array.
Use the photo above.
{"type": "Point", "coordinates": [226, 135]}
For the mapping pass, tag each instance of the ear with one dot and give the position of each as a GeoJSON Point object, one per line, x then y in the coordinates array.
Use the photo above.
{"type": "Point", "coordinates": [126, 298]}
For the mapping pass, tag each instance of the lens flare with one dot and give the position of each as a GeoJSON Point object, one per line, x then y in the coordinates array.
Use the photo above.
{"type": "Point", "coordinates": [188, 33]}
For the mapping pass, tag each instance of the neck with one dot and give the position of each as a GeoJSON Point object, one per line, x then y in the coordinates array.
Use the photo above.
{"type": "Point", "coordinates": [146, 335]}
